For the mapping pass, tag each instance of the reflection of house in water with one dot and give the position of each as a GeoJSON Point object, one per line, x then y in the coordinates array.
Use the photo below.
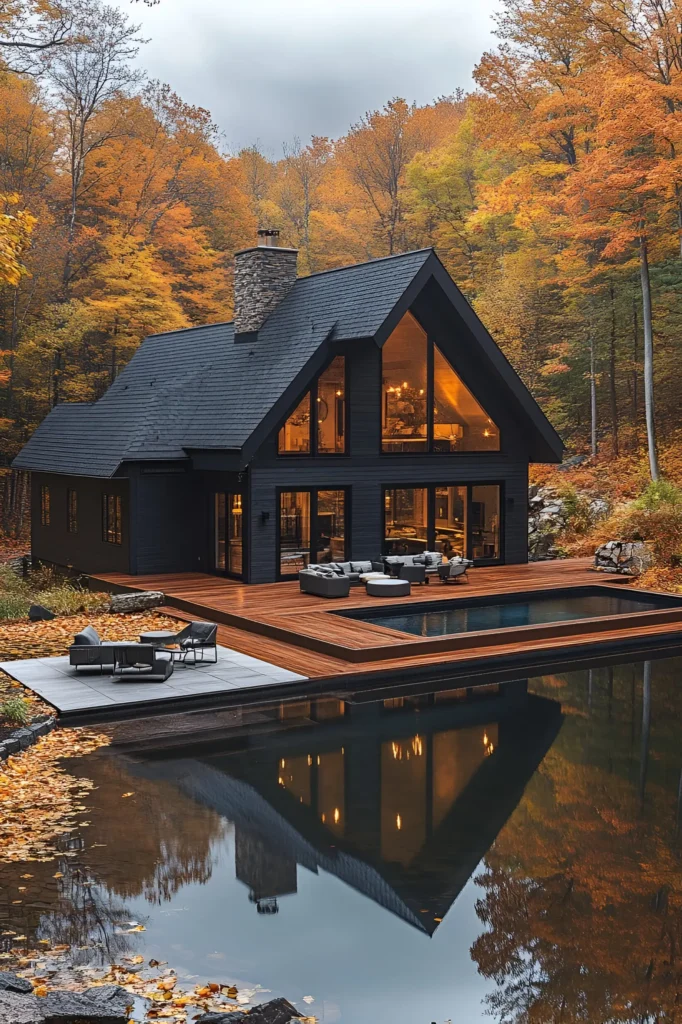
{"type": "Point", "coordinates": [399, 799]}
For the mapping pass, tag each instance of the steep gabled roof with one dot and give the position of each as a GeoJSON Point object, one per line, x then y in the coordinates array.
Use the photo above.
{"type": "Point", "coordinates": [200, 388]}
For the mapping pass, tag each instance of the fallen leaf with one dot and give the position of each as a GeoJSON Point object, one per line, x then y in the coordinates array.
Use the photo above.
{"type": "Point", "coordinates": [124, 795]}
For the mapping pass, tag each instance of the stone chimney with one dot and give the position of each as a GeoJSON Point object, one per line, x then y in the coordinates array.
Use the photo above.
{"type": "Point", "coordinates": [263, 275]}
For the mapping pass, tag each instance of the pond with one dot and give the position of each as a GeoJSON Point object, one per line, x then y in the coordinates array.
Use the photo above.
{"type": "Point", "coordinates": [460, 855]}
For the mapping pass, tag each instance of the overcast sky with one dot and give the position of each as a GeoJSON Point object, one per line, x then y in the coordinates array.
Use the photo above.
{"type": "Point", "coordinates": [270, 70]}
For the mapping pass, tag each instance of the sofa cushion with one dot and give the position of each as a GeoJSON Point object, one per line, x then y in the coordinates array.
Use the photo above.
{"type": "Point", "coordinates": [345, 568]}
{"type": "Point", "coordinates": [361, 566]}
{"type": "Point", "coordinates": [394, 559]}
{"type": "Point", "coordinates": [335, 567]}
{"type": "Point", "coordinates": [417, 559]}
{"type": "Point", "coordinates": [432, 559]}
{"type": "Point", "coordinates": [88, 637]}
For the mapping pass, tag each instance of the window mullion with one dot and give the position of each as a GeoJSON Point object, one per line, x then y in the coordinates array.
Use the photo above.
{"type": "Point", "coordinates": [429, 396]}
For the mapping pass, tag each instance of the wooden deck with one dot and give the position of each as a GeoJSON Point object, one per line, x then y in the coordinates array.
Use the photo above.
{"type": "Point", "coordinates": [300, 632]}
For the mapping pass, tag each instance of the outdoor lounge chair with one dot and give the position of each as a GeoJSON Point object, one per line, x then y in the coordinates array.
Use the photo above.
{"type": "Point", "coordinates": [324, 583]}
{"type": "Point", "coordinates": [455, 570]}
{"type": "Point", "coordinates": [195, 639]}
{"type": "Point", "coordinates": [88, 651]}
{"type": "Point", "coordinates": [143, 660]}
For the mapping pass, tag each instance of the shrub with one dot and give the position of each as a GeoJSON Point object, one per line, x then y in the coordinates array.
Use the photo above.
{"type": "Point", "coordinates": [46, 587]}
{"type": "Point", "coordinates": [656, 517]}
{"type": "Point", "coordinates": [15, 710]}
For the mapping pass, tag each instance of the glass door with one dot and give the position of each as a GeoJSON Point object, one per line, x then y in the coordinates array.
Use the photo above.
{"type": "Point", "coordinates": [228, 533]}
{"type": "Point", "coordinates": [312, 528]}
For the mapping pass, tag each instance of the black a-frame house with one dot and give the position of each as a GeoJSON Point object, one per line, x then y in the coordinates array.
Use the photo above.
{"type": "Point", "coordinates": [355, 412]}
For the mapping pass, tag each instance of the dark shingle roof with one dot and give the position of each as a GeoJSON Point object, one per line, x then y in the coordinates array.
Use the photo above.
{"type": "Point", "coordinates": [200, 389]}
{"type": "Point", "coordinates": [197, 388]}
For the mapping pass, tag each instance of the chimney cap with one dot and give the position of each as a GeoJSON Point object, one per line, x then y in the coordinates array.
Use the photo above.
{"type": "Point", "coordinates": [268, 236]}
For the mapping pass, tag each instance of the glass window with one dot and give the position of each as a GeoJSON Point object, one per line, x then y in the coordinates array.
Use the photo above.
{"type": "Point", "coordinates": [485, 521]}
{"type": "Point", "coordinates": [72, 510]}
{"type": "Point", "coordinates": [294, 531]}
{"type": "Point", "coordinates": [294, 436]}
{"type": "Point", "coordinates": [44, 505]}
{"type": "Point", "coordinates": [450, 520]}
{"type": "Point", "coordinates": [330, 406]}
{"type": "Point", "coordinates": [460, 424]}
{"type": "Point", "coordinates": [330, 530]}
{"type": "Point", "coordinates": [111, 519]}
{"type": "Point", "coordinates": [406, 520]}
{"type": "Point", "coordinates": [234, 533]}
{"type": "Point", "coordinates": [404, 389]}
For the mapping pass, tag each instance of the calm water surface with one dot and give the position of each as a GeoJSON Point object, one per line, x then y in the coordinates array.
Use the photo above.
{"type": "Point", "coordinates": [415, 860]}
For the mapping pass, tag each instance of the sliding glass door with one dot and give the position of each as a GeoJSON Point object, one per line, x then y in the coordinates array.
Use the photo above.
{"type": "Point", "coordinates": [228, 533]}
{"type": "Point", "coordinates": [457, 519]}
{"type": "Point", "coordinates": [312, 528]}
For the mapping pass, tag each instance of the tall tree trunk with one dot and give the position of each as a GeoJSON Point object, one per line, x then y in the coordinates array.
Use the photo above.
{"type": "Point", "coordinates": [648, 359]}
{"type": "Point", "coordinates": [593, 397]}
{"type": "Point", "coordinates": [635, 360]}
{"type": "Point", "coordinates": [613, 395]}
{"type": "Point", "coordinates": [646, 729]}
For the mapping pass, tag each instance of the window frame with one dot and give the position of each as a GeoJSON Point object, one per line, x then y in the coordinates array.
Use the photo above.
{"type": "Point", "coordinates": [313, 491]}
{"type": "Point", "coordinates": [431, 344]}
{"type": "Point", "coordinates": [313, 427]}
{"type": "Point", "coordinates": [112, 535]}
{"type": "Point", "coordinates": [215, 570]}
{"type": "Point", "coordinates": [45, 505]}
{"type": "Point", "coordinates": [71, 510]}
{"type": "Point", "coordinates": [431, 513]}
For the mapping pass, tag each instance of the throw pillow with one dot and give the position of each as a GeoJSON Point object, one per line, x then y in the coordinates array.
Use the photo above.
{"type": "Point", "coordinates": [361, 566]}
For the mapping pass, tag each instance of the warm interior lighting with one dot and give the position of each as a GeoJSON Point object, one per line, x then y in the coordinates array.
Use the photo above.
{"type": "Point", "coordinates": [282, 763]}
{"type": "Point", "coordinates": [280, 780]}
{"type": "Point", "coordinates": [417, 746]}
{"type": "Point", "coordinates": [337, 815]}
{"type": "Point", "coordinates": [324, 818]}
{"type": "Point", "coordinates": [398, 822]}
{"type": "Point", "coordinates": [310, 760]}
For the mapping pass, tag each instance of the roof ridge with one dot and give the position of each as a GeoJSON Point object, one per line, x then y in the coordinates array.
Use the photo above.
{"type": "Point", "coordinates": [184, 330]}
{"type": "Point", "coordinates": [366, 263]}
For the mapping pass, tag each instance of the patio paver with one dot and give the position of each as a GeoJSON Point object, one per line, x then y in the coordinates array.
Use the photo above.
{"type": "Point", "coordinates": [56, 681]}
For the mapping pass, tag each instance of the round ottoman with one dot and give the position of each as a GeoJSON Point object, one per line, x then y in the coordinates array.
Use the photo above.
{"type": "Point", "coordinates": [388, 588]}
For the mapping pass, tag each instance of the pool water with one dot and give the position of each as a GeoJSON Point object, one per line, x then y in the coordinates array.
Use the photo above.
{"type": "Point", "coordinates": [506, 853]}
{"type": "Point", "coordinates": [471, 616]}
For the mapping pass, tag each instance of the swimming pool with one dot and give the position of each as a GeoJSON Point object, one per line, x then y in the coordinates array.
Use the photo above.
{"type": "Point", "coordinates": [507, 611]}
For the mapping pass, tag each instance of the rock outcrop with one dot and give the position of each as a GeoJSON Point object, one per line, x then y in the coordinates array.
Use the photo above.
{"type": "Point", "coordinates": [549, 514]}
{"type": "Point", "coordinates": [627, 558]}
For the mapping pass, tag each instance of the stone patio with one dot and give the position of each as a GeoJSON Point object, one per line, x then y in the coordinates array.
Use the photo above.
{"type": "Point", "coordinates": [56, 681]}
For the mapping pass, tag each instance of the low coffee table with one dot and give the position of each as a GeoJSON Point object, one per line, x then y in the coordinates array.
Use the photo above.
{"type": "Point", "coordinates": [388, 588]}
{"type": "Point", "coordinates": [156, 637]}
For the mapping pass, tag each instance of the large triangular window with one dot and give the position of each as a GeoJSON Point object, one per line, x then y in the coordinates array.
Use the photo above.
{"type": "Point", "coordinates": [425, 404]}
{"type": "Point", "coordinates": [460, 423]}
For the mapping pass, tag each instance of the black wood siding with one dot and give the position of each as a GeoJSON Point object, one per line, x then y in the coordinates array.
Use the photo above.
{"type": "Point", "coordinates": [85, 550]}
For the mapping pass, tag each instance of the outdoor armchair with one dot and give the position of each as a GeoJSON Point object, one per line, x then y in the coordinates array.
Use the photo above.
{"type": "Point", "coordinates": [454, 570]}
{"type": "Point", "coordinates": [193, 641]}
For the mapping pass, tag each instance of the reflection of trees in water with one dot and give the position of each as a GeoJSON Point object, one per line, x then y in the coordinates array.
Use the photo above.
{"type": "Point", "coordinates": [151, 844]}
{"type": "Point", "coordinates": [162, 839]}
{"type": "Point", "coordinates": [583, 887]}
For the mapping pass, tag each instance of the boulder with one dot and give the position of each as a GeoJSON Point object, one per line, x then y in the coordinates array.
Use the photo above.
{"type": "Point", "coordinates": [104, 1004]}
{"type": "Point", "coordinates": [139, 601]}
{"type": "Point", "coordinates": [10, 982]}
{"type": "Point", "coordinates": [627, 558]}
{"type": "Point", "coordinates": [38, 613]}
{"type": "Point", "coordinates": [275, 1011]}
{"type": "Point", "coordinates": [21, 1008]}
